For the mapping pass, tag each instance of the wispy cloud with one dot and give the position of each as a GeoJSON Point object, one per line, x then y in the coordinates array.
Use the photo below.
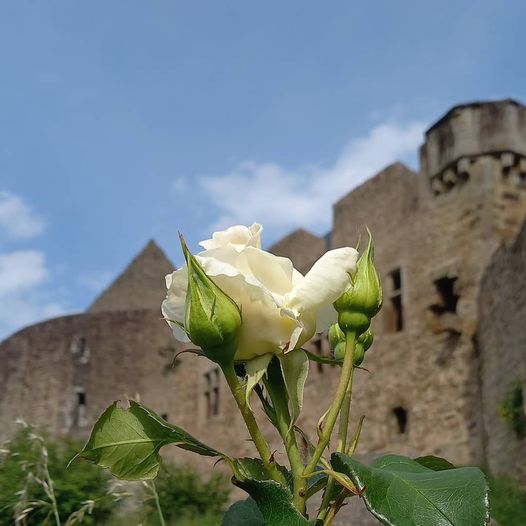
{"type": "Point", "coordinates": [21, 270]}
{"type": "Point", "coordinates": [24, 274]}
{"type": "Point", "coordinates": [283, 199]}
{"type": "Point", "coordinates": [17, 219]}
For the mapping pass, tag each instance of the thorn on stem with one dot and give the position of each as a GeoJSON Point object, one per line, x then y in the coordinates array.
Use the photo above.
{"type": "Point", "coordinates": [361, 491]}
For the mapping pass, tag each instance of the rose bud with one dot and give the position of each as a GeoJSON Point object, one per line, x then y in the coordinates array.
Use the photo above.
{"type": "Point", "coordinates": [212, 318]}
{"type": "Point", "coordinates": [336, 336]}
{"type": "Point", "coordinates": [363, 343]}
{"type": "Point", "coordinates": [363, 299]}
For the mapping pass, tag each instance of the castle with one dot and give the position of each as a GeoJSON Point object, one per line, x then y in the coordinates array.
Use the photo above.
{"type": "Point", "coordinates": [450, 341]}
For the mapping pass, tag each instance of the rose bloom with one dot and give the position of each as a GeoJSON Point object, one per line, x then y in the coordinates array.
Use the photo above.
{"type": "Point", "coordinates": [281, 309]}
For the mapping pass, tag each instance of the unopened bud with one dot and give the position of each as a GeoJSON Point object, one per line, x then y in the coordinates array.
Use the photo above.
{"type": "Point", "coordinates": [363, 342]}
{"type": "Point", "coordinates": [212, 318]}
{"type": "Point", "coordinates": [357, 306]}
{"type": "Point", "coordinates": [336, 336]}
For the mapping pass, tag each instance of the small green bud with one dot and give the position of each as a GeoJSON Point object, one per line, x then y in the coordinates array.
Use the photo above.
{"type": "Point", "coordinates": [339, 351]}
{"type": "Point", "coordinates": [363, 343]}
{"type": "Point", "coordinates": [366, 339]}
{"type": "Point", "coordinates": [336, 336]}
{"type": "Point", "coordinates": [359, 353]}
{"type": "Point", "coordinates": [212, 318]}
{"type": "Point", "coordinates": [357, 306]}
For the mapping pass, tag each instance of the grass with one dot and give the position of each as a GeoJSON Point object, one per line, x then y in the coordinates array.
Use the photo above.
{"type": "Point", "coordinates": [508, 501]}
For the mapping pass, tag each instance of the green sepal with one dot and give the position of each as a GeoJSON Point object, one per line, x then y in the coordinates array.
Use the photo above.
{"type": "Point", "coordinates": [295, 368]}
{"type": "Point", "coordinates": [266, 405]}
{"type": "Point", "coordinates": [127, 442]}
{"type": "Point", "coordinates": [321, 359]}
{"type": "Point", "coordinates": [212, 317]}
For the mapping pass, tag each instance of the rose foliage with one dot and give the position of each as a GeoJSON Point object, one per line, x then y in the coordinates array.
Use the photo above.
{"type": "Point", "coordinates": [252, 312]}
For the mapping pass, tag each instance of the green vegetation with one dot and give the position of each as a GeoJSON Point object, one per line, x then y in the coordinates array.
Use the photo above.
{"type": "Point", "coordinates": [508, 501]}
{"type": "Point", "coordinates": [185, 497]}
{"type": "Point", "coordinates": [37, 489]}
{"type": "Point", "coordinates": [511, 409]}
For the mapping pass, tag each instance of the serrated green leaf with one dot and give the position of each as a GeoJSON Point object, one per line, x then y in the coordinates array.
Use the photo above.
{"type": "Point", "coordinates": [243, 513]}
{"type": "Point", "coordinates": [127, 442]}
{"type": "Point", "coordinates": [401, 492]}
{"type": "Point", "coordinates": [274, 502]}
{"type": "Point", "coordinates": [254, 468]}
{"type": "Point", "coordinates": [434, 463]}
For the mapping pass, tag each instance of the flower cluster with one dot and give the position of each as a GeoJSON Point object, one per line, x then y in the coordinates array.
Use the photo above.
{"type": "Point", "coordinates": [280, 308]}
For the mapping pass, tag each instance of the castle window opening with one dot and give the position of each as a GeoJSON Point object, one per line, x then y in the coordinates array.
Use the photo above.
{"type": "Point", "coordinates": [80, 419]}
{"type": "Point", "coordinates": [395, 320]}
{"type": "Point", "coordinates": [212, 392]}
{"type": "Point", "coordinates": [401, 419]}
{"type": "Point", "coordinates": [445, 287]}
{"type": "Point", "coordinates": [79, 347]}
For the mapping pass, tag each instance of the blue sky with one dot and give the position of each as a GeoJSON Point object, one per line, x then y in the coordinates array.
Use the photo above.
{"type": "Point", "coordinates": [124, 120]}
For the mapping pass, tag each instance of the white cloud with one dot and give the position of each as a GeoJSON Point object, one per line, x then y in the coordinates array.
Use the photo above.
{"type": "Point", "coordinates": [17, 219]}
{"type": "Point", "coordinates": [284, 199]}
{"type": "Point", "coordinates": [22, 299]}
{"type": "Point", "coordinates": [24, 274]}
{"type": "Point", "coordinates": [21, 270]}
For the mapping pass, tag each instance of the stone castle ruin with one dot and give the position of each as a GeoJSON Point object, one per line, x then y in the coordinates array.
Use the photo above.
{"type": "Point", "coordinates": [450, 341]}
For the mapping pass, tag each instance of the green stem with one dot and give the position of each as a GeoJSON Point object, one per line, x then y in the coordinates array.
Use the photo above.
{"type": "Point", "coordinates": [342, 443]}
{"type": "Point", "coordinates": [288, 436]}
{"type": "Point", "coordinates": [157, 504]}
{"type": "Point", "coordinates": [252, 426]}
{"type": "Point", "coordinates": [344, 416]}
{"type": "Point", "coordinates": [336, 405]}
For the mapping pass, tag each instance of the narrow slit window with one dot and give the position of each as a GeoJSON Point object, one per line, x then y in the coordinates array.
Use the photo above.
{"type": "Point", "coordinates": [80, 419]}
{"type": "Point", "coordinates": [400, 415]}
{"type": "Point", "coordinates": [395, 314]}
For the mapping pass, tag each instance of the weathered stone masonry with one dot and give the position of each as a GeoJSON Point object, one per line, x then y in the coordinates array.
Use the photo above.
{"type": "Point", "coordinates": [449, 341]}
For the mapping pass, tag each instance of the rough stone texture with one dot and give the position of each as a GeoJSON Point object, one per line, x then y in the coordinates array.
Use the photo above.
{"type": "Point", "coordinates": [430, 387]}
{"type": "Point", "coordinates": [140, 286]}
{"type": "Point", "coordinates": [301, 247]}
{"type": "Point", "coordinates": [502, 347]}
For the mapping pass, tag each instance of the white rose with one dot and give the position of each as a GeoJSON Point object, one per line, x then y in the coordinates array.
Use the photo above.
{"type": "Point", "coordinates": [281, 309]}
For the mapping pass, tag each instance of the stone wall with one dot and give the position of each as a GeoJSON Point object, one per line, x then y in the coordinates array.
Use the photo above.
{"type": "Point", "coordinates": [433, 378]}
{"type": "Point", "coordinates": [140, 286]}
{"type": "Point", "coordinates": [502, 345]}
{"type": "Point", "coordinates": [301, 247]}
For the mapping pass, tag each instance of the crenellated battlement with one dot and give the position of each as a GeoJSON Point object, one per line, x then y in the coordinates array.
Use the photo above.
{"type": "Point", "coordinates": [469, 131]}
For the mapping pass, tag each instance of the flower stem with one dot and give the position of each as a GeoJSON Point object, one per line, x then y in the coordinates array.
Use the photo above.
{"type": "Point", "coordinates": [288, 436]}
{"type": "Point", "coordinates": [325, 512]}
{"type": "Point", "coordinates": [157, 503]}
{"type": "Point", "coordinates": [250, 421]}
{"type": "Point", "coordinates": [336, 405]}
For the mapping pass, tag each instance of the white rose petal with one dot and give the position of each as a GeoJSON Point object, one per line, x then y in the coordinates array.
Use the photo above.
{"type": "Point", "coordinates": [280, 308]}
{"type": "Point", "coordinates": [326, 281]}
{"type": "Point", "coordinates": [237, 236]}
